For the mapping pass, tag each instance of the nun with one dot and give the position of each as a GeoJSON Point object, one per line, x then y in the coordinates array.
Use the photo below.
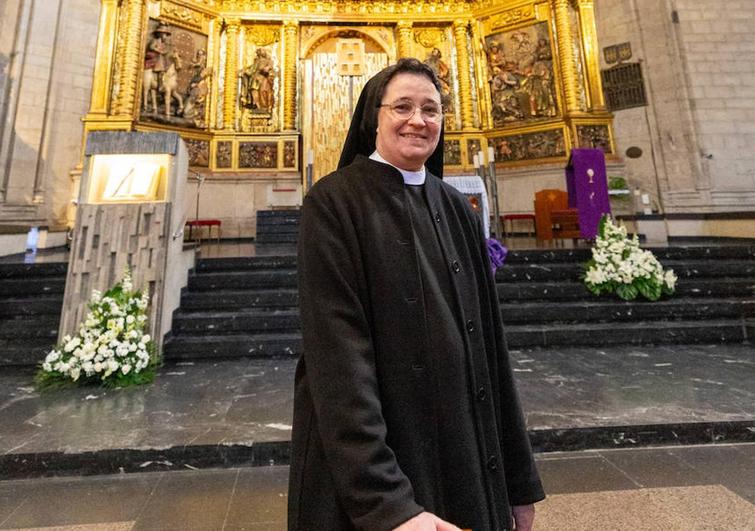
{"type": "Point", "coordinates": [406, 416]}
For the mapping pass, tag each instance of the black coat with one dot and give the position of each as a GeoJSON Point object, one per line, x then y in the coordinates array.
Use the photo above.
{"type": "Point", "coordinates": [366, 440]}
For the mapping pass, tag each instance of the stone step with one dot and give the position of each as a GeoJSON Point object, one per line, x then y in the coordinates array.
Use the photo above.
{"type": "Point", "coordinates": [31, 306]}
{"type": "Point", "coordinates": [20, 287]}
{"type": "Point", "coordinates": [277, 229]}
{"type": "Point", "coordinates": [730, 252]}
{"type": "Point", "coordinates": [276, 238]}
{"type": "Point", "coordinates": [29, 352]}
{"type": "Point", "coordinates": [240, 321]}
{"type": "Point", "coordinates": [559, 291]}
{"type": "Point", "coordinates": [45, 269]}
{"type": "Point", "coordinates": [266, 214]}
{"type": "Point", "coordinates": [234, 300]}
{"type": "Point", "coordinates": [25, 327]}
{"type": "Point", "coordinates": [288, 221]}
{"type": "Point", "coordinates": [265, 278]}
{"type": "Point", "coordinates": [675, 309]}
{"type": "Point", "coordinates": [639, 333]}
{"type": "Point", "coordinates": [245, 263]}
{"type": "Point", "coordinates": [564, 271]}
{"type": "Point", "coordinates": [232, 346]}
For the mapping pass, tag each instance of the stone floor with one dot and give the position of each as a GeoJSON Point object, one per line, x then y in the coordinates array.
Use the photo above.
{"type": "Point", "coordinates": [701, 488]}
{"type": "Point", "coordinates": [233, 412]}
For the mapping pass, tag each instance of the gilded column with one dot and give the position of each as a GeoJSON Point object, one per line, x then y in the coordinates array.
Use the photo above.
{"type": "Point", "coordinates": [131, 57]}
{"type": "Point", "coordinates": [566, 54]}
{"type": "Point", "coordinates": [290, 33]}
{"type": "Point", "coordinates": [231, 73]}
{"type": "Point", "coordinates": [404, 28]}
{"type": "Point", "coordinates": [465, 83]}
{"type": "Point", "coordinates": [590, 43]}
{"type": "Point", "coordinates": [103, 62]}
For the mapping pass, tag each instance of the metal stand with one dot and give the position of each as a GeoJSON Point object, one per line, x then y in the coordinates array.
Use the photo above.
{"type": "Point", "coordinates": [494, 191]}
{"type": "Point", "coordinates": [200, 179]}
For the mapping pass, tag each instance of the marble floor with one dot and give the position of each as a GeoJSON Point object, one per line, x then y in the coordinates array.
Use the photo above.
{"type": "Point", "coordinates": [225, 413]}
{"type": "Point", "coordinates": [701, 488]}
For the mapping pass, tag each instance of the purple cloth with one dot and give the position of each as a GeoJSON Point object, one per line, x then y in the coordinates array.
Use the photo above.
{"type": "Point", "coordinates": [587, 185]}
{"type": "Point", "coordinates": [497, 254]}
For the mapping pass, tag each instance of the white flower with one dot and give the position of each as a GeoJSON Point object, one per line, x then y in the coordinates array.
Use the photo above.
{"type": "Point", "coordinates": [146, 338]}
{"type": "Point", "coordinates": [47, 367]}
{"type": "Point", "coordinates": [126, 368]}
{"type": "Point", "coordinates": [88, 367]}
{"type": "Point", "coordinates": [670, 279]}
{"type": "Point", "coordinates": [72, 344]}
{"type": "Point", "coordinates": [130, 319]}
{"type": "Point", "coordinates": [595, 276]}
{"type": "Point", "coordinates": [97, 366]}
{"type": "Point", "coordinates": [75, 373]}
{"type": "Point", "coordinates": [52, 357]}
{"type": "Point", "coordinates": [96, 296]}
{"type": "Point", "coordinates": [600, 257]}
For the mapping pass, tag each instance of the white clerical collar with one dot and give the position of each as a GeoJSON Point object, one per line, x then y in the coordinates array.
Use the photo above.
{"type": "Point", "coordinates": [413, 178]}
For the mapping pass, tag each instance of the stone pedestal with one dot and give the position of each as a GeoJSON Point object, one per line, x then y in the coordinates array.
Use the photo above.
{"type": "Point", "coordinates": [131, 213]}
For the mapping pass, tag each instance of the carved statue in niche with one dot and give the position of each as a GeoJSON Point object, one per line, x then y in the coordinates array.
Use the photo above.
{"type": "Point", "coordinates": [161, 66]}
{"type": "Point", "coordinates": [257, 83]}
{"type": "Point", "coordinates": [199, 88]}
{"type": "Point", "coordinates": [520, 73]}
{"type": "Point", "coordinates": [438, 65]}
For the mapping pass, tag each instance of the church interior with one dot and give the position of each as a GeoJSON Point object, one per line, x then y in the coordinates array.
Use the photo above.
{"type": "Point", "coordinates": [178, 138]}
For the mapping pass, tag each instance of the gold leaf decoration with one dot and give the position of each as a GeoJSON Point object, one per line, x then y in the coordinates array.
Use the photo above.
{"type": "Point", "coordinates": [263, 35]}
{"type": "Point", "coordinates": [429, 38]}
{"type": "Point", "coordinates": [182, 15]}
{"type": "Point", "coordinates": [513, 16]}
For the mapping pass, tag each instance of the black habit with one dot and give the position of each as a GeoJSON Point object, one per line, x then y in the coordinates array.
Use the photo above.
{"type": "Point", "coordinates": [404, 396]}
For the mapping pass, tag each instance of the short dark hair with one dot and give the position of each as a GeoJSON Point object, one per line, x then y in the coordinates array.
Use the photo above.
{"type": "Point", "coordinates": [407, 65]}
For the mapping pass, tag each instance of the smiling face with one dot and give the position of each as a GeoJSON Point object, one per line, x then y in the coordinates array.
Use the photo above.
{"type": "Point", "coordinates": [407, 144]}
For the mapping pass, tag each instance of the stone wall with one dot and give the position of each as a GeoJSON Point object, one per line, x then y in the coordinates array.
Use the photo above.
{"type": "Point", "coordinates": [718, 45]}
{"type": "Point", "coordinates": [698, 60]}
{"type": "Point", "coordinates": [46, 59]}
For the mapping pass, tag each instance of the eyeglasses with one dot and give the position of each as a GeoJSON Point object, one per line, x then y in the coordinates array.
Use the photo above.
{"type": "Point", "coordinates": [405, 109]}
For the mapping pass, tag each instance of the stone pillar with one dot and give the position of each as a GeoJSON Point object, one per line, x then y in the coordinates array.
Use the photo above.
{"type": "Point", "coordinates": [590, 43]}
{"type": "Point", "coordinates": [404, 38]}
{"type": "Point", "coordinates": [103, 62]}
{"type": "Point", "coordinates": [290, 33]}
{"type": "Point", "coordinates": [231, 73]}
{"type": "Point", "coordinates": [465, 83]}
{"type": "Point", "coordinates": [566, 57]}
{"type": "Point", "coordinates": [131, 54]}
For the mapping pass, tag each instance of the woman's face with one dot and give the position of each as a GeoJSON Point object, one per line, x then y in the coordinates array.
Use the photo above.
{"type": "Point", "coordinates": [408, 143]}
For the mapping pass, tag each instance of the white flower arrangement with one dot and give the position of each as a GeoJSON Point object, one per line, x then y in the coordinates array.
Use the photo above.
{"type": "Point", "coordinates": [111, 348]}
{"type": "Point", "coordinates": [619, 265]}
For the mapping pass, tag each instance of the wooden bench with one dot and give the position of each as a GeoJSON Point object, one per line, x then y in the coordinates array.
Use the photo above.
{"type": "Point", "coordinates": [199, 223]}
{"type": "Point", "coordinates": [514, 217]}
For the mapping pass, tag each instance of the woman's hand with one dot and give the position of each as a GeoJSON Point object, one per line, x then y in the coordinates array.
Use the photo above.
{"type": "Point", "coordinates": [524, 516]}
{"type": "Point", "coordinates": [426, 522]}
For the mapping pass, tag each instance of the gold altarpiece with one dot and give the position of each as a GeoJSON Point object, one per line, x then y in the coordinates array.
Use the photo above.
{"type": "Point", "coordinates": [254, 85]}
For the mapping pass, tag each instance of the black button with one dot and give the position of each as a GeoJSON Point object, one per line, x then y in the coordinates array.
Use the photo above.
{"type": "Point", "coordinates": [437, 217]}
{"type": "Point", "coordinates": [493, 463]}
{"type": "Point", "coordinates": [470, 326]}
{"type": "Point", "coordinates": [455, 266]}
{"type": "Point", "coordinates": [482, 394]}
